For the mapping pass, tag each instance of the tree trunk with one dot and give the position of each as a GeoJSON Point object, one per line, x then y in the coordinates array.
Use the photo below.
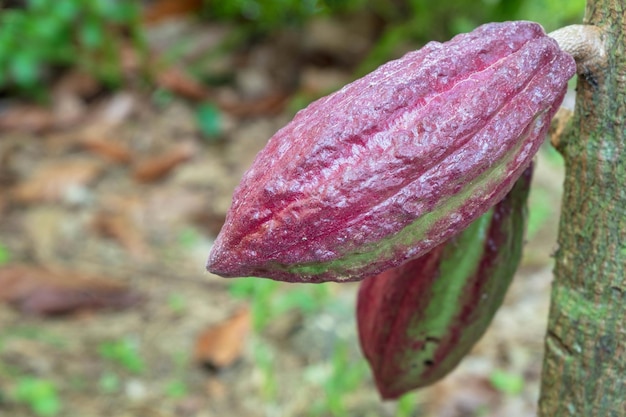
{"type": "Point", "coordinates": [584, 370]}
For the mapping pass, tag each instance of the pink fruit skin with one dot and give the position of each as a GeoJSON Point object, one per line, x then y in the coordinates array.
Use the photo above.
{"type": "Point", "coordinates": [366, 178]}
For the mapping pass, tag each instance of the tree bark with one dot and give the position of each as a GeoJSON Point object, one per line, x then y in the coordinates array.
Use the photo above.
{"type": "Point", "coordinates": [584, 370]}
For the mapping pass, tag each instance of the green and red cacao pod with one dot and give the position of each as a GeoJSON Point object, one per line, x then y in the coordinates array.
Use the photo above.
{"type": "Point", "coordinates": [418, 320]}
{"type": "Point", "coordinates": [397, 162]}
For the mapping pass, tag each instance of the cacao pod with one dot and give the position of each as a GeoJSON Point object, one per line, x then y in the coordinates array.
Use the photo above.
{"type": "Point", "coordinates": [397, 162]}
{"type": "Point", "coordinates": [418, 320]}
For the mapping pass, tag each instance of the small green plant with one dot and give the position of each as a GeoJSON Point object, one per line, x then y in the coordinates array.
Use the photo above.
{"type": "Point", "coordinates": [270, 299]}
{"type": "Point", "coordinates": [177, 303]}
{"type": "Point", "coordinates": [5, 255]}
{"type": "Point", "coordinates": [60, 33]}
{"type": "Point", "coordinates": [541, 207]}
{"type": "Point", "coordinates": [264, 360]}
{"type": "Point", "coordinates": [109, 382]}
{"type": "Point", "coordinates": [176, 389]}
{"type": "Point", "coordinates": [260, 297]}
{"type": "Point", "coordinates": [209, 120]}
{"type": "Point", "coordinates": [189, 238]}
{"type": "Point", "coordinates": [423, 20]}
{"type": "Point", "coordinates": [407, 405]}
{"type": "Point", "coordinates": [29, 332]}
{"type": "Point", "coordinates": [338, 378]}
{"type": "Point", "coordinates": [347, 374]}
{"type": "Point", "coordinates": [507, 382]}
{"type": "Point", "coordinates": [124, 352]}
{"type": "Point", "coordinates": [40, 395]}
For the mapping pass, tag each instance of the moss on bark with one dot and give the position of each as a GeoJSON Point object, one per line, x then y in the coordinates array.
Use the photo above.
{"type": "Point", "coordinates": [584, 373]}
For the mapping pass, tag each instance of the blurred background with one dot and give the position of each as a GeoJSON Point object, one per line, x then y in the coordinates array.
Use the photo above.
{"type": "Point", "coordinates": [124, 127]}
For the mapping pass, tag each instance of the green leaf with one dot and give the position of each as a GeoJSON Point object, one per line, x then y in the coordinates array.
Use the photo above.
{"type": "Point", "coordinates": [36, 5]}
{"type": "Point", "coordinates": [66, 10]}
{"type": "Point", "coordinates": [47, 406]}
{"type": "Point", "coordinates": [507, 382]}
{"type": "Point", "coordinates": [12, 20]}
{"type": "Point", "coordinates": [177, 303]}
{"type": "Point", "coordinates": [125, 352]}
{"type": "Point", "coordinates": [48, 30]}
{"type": "Point", "coordinates": [188, 238]}
{"type": "Point", "coordinates": [109, 382]}
{"type": "Point", "coordinates": [176, 389]}
{"type": "Point", "coordinates": [209, 120]}
{"type": "Point", "coordinates": [407, 404]}
{"type": "Point", "coordinates": [91, 34]}
{"type": "Point", "coordinates": [541, 206]}
{"type": "Point", "coordinates": [5, 256]}
{"type": "Point", "coordinates": [25, 68]}
{"type": "Point", "coordinates": [41, 395]}
{"type": "Point", "coordinates": [118, 11]}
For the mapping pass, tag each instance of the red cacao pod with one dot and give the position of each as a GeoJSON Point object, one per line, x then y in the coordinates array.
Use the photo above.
{"type": "Point", "coordinates": [418, 320]}
{"type": "Point", "coordinates": [396, 162]}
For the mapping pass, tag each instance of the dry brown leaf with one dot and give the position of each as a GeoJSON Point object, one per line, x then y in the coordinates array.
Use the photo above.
{"type": "Point", "coordinates": [78, 83]}
{"type": "Point", "coordinates": [112, 151]}
{"type": "Point", "coordinates": [176, 80]}
{"type": "Point", "coordinates": [53, 181]}
{"type": "Point", "coordinates": [122, 228]}
{"type": "Point", "coordinates": [268, 105]}
{"type": "Point", "coordinates": [157, 167]}
{"type": "Point", "coordinates": [170, 205]}
{"type": "Point", "coordinates": [67, 109]}
{"type": "Point", "coordinates": [161, 10]}
{"type": "Point", "coordinates": [40, 291]}
{"type": "Point", "coordinates": [99, 136]}
{"type": "Point", "coordinates": [43, 228]}
{"type": "Point", "coordinates": [27, 118]}
{"type": "Point", "coordinates": [222, 344]}
{"type": "Point", "coordinates": [116, 110]}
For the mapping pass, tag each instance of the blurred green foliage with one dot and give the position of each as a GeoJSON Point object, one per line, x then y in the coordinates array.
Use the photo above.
{"type": "Point", "coordinates": [345, 375]}
{"type": "Point", "coordinates": [541, 209]}
{"type": "Point", "coordinates": [209, 120]}
{"type": "Point", "coordinates": [270, 299]}
{"type": "Point", "coordinates": [5, 255]}
{"type": "Point", "coordinates": [270, 14]}
{"type": "Point", "coordinates": [423, 20]}
{"type": "Point", "coordinates": [507, 382]}
{"type": "Point", "coordinates": [41, 35]}
{"type": "Point", "coordinates": [407, 405]}
{"type": "Point", "coordinates": [420, 19]}
{"type": "Point", "coordinates": [39, 394]}
{"type": "Point", "coordinates": [125, 352]}
{"type": "Point", "coordinates": [176, 389]}
{"type": "Point", "coordinates": [109, 382]}
{"type": "Point", "coordinates": [402, 21]}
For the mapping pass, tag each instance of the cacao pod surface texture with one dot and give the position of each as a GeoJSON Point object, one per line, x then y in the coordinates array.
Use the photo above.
{"type": "Point", "coordinates": [395, 163]}
{"type": "Point", "coordinates": [417, 321]}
